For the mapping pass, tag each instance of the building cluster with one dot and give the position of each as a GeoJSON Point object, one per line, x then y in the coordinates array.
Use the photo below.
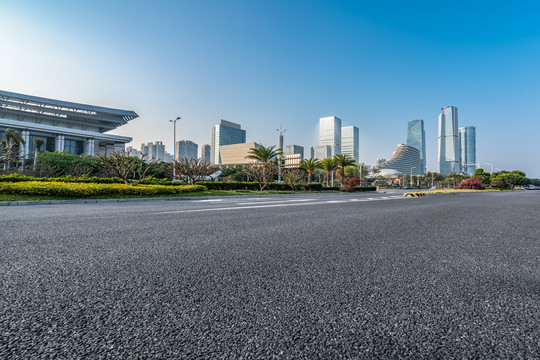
{"type": "Point", "coordinates": [79, 128]}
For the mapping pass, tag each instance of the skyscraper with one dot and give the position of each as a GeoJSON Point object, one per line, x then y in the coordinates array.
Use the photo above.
{"type": "Point", "coordinates": [186, 149]}
{"type": "Point", "coordinates": [350, 144]}
{"type": "Point", "coordinates": [205, 152]}
{"type": "Point", "coordinates": [330, 134]}
{"type": "Point", "coordinates": [295, 149]}
{"type": "Point", "coordinates": [467, 140]}
{"type": "Point", "coordinates": [449, 149]}
{"type": "Point", "coordinates": [225, 133]}
{"type": "Point", "coordinates": [416, 137]}
{"type": "Point", "coordinates": [321, 152]}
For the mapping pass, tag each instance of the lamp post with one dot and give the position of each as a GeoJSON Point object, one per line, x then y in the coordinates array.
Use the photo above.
{"type": "Point", "coordinates": [280, 151]}
{"type": "Point", "coordinates": [491, 172]}
{"type": "Point", "coordinates": [174, 144]}
{"type": "Point", "coordinates": [414, 167]}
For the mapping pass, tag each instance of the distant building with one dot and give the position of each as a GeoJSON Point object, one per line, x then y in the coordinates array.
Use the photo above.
{"type": "Point", "coordinates": [416, 137]}
{"type": "Point", "coordinates": [225, 133]}
{"type": "Point", "coordinates": [321, 152]}
{"type": "Point", "coordinates": [186, 149]}
{"type": "Point", "coordinates": [64, 126]}
{"type": "Point", "coordinates": [467, 141]}
{"type": "Point", "coordinates": [379, 162]}
{"type": "Point", "coordinates": [330, 134]}
{"type": "Point", "coordinates": [449, 147]}
{"type": "Point", "coordinates": [154, 150]}
{"type": "Point", "coordinates": [205, 152]}
{"type": "Point", "coordinates": [293, 160]}
{"type": "Point", "coordinates": [350, 143]}
{"type": "Point", "coordinates": [295, 149]}
{"type": "Point", "coordinates": [133, 152]}
{"type": "Point", "coordinates": [235, 154]}
{"type": "Point", "coordinates": [405, 159]}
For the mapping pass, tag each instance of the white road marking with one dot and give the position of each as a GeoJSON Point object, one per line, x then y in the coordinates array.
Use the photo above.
{"type": "Point", "coordinates": [273, 204]}
{"type": "Point", "coordinates": [209, 200]}
{"type": "Point", "coordinates": [274, 201]}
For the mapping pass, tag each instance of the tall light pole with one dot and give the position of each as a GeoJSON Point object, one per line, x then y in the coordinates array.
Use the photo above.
{"type": "Point", "coordinates": [491, 172]}
{"type": "Point", "coordinates": [280, 150]}
{"type": "Point", "coordinates": [414, 167]}
{"type": "Point", "coordinates": [174, 144]}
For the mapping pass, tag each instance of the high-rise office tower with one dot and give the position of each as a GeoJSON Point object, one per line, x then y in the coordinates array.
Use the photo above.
{"type": "Point", "coordinates": [330, 133]}
{"type": "Point", "coordinates": [467, 140]}
{"type": "Point", "coordinates": [416, 137]}
{"type": "Point", "coordinates": [155, 150]}
{"type": "Point", "coordinates": [350, 144]}
{"type": "Point", "coordinates": [205, 152]}
{"type": "Point", "coordinates": [321, 152]}
{"type": "Point", "coordinates": [295, 149]}
{"type": "Point", "coordinates": [225, 133]}
{"type": "Point", "coordinates": [186, 149]}
{"type": "Point", "coordinates": [449, 149]}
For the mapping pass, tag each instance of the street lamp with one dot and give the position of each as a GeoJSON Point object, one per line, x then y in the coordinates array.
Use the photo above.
{"type": "Point", "coordinates": [174, 145]}
{"type": "Point", "coordinates": [414, 167]}
{"type": "Point", "coordinates": [491, 172]}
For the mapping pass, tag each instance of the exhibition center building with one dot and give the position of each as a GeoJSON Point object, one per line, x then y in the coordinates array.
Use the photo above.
{"type": "Point", "coordinates": [64, 126]}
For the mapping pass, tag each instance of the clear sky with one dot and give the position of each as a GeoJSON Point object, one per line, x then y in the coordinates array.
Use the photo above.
{"type": "Point", "coordinates": [262, 63]}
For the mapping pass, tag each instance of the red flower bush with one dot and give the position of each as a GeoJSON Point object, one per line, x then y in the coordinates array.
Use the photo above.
{"type": "Point", "coordinates": [471, 184]}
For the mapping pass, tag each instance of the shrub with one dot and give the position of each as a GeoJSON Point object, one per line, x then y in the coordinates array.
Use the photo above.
{"type": "Point", "coordinates": [91, 189]}
{"type": "Point", "coordinates": [475, 184]}
{"type": "Point", "coordinates": [498, 184]}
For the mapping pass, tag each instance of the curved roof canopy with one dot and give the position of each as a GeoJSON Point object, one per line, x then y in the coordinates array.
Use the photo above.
{"type": "Point", "coordinates": [105, 118]}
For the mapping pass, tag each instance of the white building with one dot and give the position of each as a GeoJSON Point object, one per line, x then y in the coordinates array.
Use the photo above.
{"type": "Point", "coordinates": [350, 143]}
{"type": "Point", "coordinates": [64, 126]}
{"type": "Point", "coordinates": [330, 134]}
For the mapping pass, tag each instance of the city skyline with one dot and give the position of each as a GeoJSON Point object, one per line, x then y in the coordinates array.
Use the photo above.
{"type": "Point", "coordinates": [488, 70]}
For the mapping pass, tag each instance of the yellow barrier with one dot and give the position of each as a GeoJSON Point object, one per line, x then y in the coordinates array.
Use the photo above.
{"type": "Point", "coordinates": [418, 194]}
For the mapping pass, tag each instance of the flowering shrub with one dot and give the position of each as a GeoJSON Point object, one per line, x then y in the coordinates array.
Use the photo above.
{"type": "Point", "coordinates": [354, 182]}
{"type": "Point", "coordinates": [499, 184]}
{"type": "Point", "coordinates": [91, 189]}
{"type": "Point", "coordinates": [473, 184]}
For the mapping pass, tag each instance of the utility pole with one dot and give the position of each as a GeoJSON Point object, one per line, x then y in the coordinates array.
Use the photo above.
{"type": "Point", "coordinates": [280, 150]}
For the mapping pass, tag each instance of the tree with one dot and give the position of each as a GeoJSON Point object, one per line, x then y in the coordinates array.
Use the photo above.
{"type": "Point", "coordinates": [329, 165]}
{"type": "Point", "coordinates": [260, 173]}
{"type": "Point", "coordinates": [310, 165]}
{"type": "Point", "coordinates": [125, 167]}
{"type": "Point", "coordinates": [13, 138]}
{"type": "Point", "coordinates": [485, 176]}
{"type": "Point", "coordinates": [38, 143]}
{"type": "Point", "coordinates": [192, 170]}
{"type": "Point", "coordinates": [234, 173]}
{"type": "Point", "coordinates": [264, 155]}
{"type": "Point", "coordinates": [293, 177]}
{"type": "Point", "coordinates": [342, 161]}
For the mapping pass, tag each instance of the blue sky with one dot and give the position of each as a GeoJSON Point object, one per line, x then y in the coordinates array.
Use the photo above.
{"type": "Point", "coordinates": [374, 64]}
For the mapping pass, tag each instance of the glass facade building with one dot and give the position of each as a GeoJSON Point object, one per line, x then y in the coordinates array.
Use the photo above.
{"type": "Point", "coordinates": [449, 147]}
{"type": "Point", "coordinates": [467, 141]}
{"type": "Point", "coordinates": [350, 143]}
{"type": "Point", "coordinates": [416, 137]}
{"type": "Point", "coordinates": [321, 152]}
{"type": "Point", "coordinates": [405, 159]}
{"type": "Point", "coordinates": [330, 134]}
{"type": "Point", "coordinates": [186, 149]}
{"type": "Point", "coordinates": [205, 152]}
{"type": "Point", "coordinates": [225, 133]}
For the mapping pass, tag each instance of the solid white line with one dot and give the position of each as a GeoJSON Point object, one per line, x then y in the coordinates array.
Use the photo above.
{"type": "Point", "coordinates": [209, 200]}
{"type": "Point", "coordinates": [275, 201]}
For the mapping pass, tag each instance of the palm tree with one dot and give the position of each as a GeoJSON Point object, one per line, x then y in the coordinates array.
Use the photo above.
{"type": "Point", "coordinates": [329, 165]}
{"type": "Point", "coordinates": [12, 137]}
{"type": "Point", "coordinates": [342, 161]}
{"type": "Point", "coordinates": [310, 165]}
{"type": "Point", "coordinates": [38, 143]}
{"type": "Point", "coordinates": [263, 154]}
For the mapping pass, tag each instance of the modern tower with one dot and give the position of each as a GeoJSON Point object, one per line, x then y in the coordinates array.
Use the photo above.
{"type": "Point", "coordinates": [449, 149]}
{"type": "Point", "coordinates": [205, 152]}
{"type": "Point", "coordinates": [225, 133]}
{"type": "Point", "coordinates": [350, 144]}
{"type": "Point", "coordinates": [321, 152]}
{"type": "Point", "coordinates": [405, 159]}
{"type": "Point", "coordinates": [467, 140]}
{"type": "Point", "coordinates": [330, 134]}
{"type": "Point", "coordinates": [186, 149]}
{"type": "Point", "coordinates": [416, 137]}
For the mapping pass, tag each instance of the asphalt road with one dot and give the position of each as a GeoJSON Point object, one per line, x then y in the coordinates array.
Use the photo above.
{"type": "Point", "coordinates": [324, 276]}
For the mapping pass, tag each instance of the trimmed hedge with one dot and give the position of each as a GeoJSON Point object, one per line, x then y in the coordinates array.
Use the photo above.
{"type": "Point", "coordinates": [65, 179]}
{"type": "Point", "coordinates": [85, 190]}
